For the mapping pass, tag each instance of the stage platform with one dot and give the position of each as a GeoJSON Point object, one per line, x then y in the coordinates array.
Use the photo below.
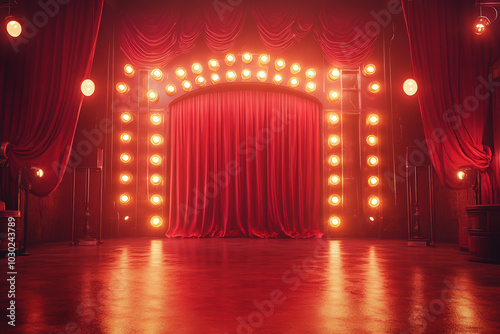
{"type": "Point", "coordinates": [253, 286]}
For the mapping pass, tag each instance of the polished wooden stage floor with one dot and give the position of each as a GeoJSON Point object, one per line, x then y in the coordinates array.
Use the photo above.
{"type": "Point", "coordinates": [254, 286]}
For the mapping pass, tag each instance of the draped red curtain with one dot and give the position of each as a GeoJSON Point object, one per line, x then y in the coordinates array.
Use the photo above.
{"type": "Point", "coordinates": [245, 162]}
{"type": "Point", "coordinates": [451, 66]}
{"type": "Point", "coordinates": [153, 37]}
{"type": "Point", "coordinates": [40, 95]}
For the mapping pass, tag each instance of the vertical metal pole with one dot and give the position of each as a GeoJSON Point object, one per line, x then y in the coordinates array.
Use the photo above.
{"type": "Point", "coordinates": [73, 209]}
{"type": "Point", "coordinates": [408, 199]}
{"type": "Point", "coordinates": [431, 202]}
{"type": "Point", "coordinates": [100, 202]}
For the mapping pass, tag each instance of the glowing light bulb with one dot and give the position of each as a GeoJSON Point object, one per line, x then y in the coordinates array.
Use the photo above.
{"type": "Point", "coordinates": [230, 75]}
{"type": "Point", "coordinates": [125, 157]}
{"type": "Point", "coordinates": [125, 178]}
{"type": "Point", "coordinates": [372, 161]}
{"type": "Point", "coordinates": [264, 59]}
{"type": "Point", "coordinates": [230, 59]}
{"type": "Point", "coordinates": [279, 64]}
{"type": "Point", "coordinates": [373, 181]}
{"type": "Point", "coordinates": [88, 87]}
{"type": "Point", "coordinates": [311, 73]}
{"type": "Point", "coordinates": [262, 76]}
{"type": "Point", "coordinates": [334, 160]}
{"type": "Point", "coordinates": [215, 78]}
{"type": "Point", "coordinates": [246, 74]}
{"type": "Point", "coordinates": [333, 96]}
{"type": "Point", "coordinates": [334, 140]}
{"type": "Point", "coordinates": [247, 57]}
{"type": "Point", "coordinates": [461, 175]}
{"type": "Point", "coordinates": [333, 118]}
{"type": "Point", "coordinates": [278, 79]}
{"type": "Point", "coordinates": [372, 119]}
{"type": "Point", "coordinates": [153, 96]}
{"type": "Point", "coordinates": [156, 221]}
{"type": "Point", "coordinates": [126, 137]}
{"type": "Point", "coordinates": [155, 160]}
{"type": "Point", "coordinates": [334, 200]}
{"type": "Point", "coordinates": [374, 87]}
{"type": "Point", "coordinates": [372, 140]}
{"type": "Point", "coordinates": [213, 64]}
{"type": "Point", "coordinates": [156, 139]}
{"type": "Point", "coordinates": [480, 25]}
{"type": "Point", "coordinates": [155, 119]}
{"type": "Point", "coordinates": [373, 201]}
{"type": "Point", "coordinates": [310, 87]}
{"type": "Point", "coordinates": [186, 85]}
{"type": "Point", "coordinates": [369, 69]}
{"type": "Point", "coordinates": [181, 73]}
{"type": "Point", "coordinates": [122, 88]}
{"type": "Point", "coordinates": [293, 82]}
{"type": "Point", "coordinates": [334, 74]}
{"type": "Point", "coordinates": [125, 198]}
{"type": "Point", "coordinates": [200, 81]}
{"type": "Point", "coordinates": [410, 87]}
{"type": "Point", "coordinates": [170, 90]}
{"type": "Point", "coordinates": [334, 180]}
{"type": "Point", "coordinates": [295, 68]}
{"type": "Point", "coordinates": [157, 74]}
{"type": "Point", "coordinates": [156, 200]}
{"type": "Point", "coordinates": [197, 68]}
{"type": "Point", "coordinates": [156, 179]}
{"type": "Point", "coordinates": [334, 221]}
{"type": "Point", "coordinates": [129, 70]}
{"type": "Point", "coordinates": [126, 117]}
{"type": "Point", "coordinates": [14, 28]}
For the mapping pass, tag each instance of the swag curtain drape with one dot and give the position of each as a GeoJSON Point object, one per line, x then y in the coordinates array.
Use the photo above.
{"type": "Point", "coordinates": [40, 95]}
{"type": "Point", "coordinates": [245, 163]}
{"type": "Point", "coordinates": [153, 37]}
{"type": "Point", "coordinates": [451, 66]}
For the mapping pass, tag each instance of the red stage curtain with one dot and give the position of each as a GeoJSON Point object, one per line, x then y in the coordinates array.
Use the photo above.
{"type": "Point", "coordinates": [451, 67]}
{"type": "Point", "coordinates": [153, 37]}
{"type": "Point", "coordinates": [245, 163]}
{"type": "Point", "coordinates": [40, 94]}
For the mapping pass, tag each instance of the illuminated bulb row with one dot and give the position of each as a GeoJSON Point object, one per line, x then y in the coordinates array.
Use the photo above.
{"type": "Point", "coordinates": [155, 160]}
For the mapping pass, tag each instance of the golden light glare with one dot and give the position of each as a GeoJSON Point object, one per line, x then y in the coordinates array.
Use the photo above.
{"type": "Point", "coordinates": [373, 181]}
{"type": "Point", "coordinates": [372, 161]}
{"type": "Point", "coordinates": [126, 117]}
{"type": "Point", "coordinates": [14, 28]}
{"type": "Point", "coordinates": [156, 221]}
{"type": "Point", "coordinates": [295, 68]}
{"type": "Point", "coordinates": [129, 70]}
{"type": "Point", "coordinates": [374, 87]}
{"type": "Point", "coordinates": [264, 59]}
{"type": "Point", "coordinates": [334, 221]}
{"type": "Point", "coordinates": [157, 74]}
{"type": "Point", "coordinates": [279, 64]}
{"type": "Point", "coordinates": [334, 200]}
{"type": "Point", "coordinates": [461, 175]}
{"type": "Point", "coordinates": [155, 119]}
{"type": "Point", "coordinates": [197, 68]}
{"type": "Point", "coordinates": [39, 173]}
{"type": "Point", "coordinates": [333, 118]}
{"type": "Point", "coordinates": [262, 76]}
{"type": "Point", "coordinates": [200, 81]}
{"type": "Point", "coordinates": [126, 137]}
{"type": "Point", "coordinates": [278, 79]}
{"type": "Point", "coordinates": [156, 139]}
{"type": "Point", "coordinates": [334, 180]}
{"type": "Point", "coordinates": [215, 78]}
{"type": "Point", "coordinates": [181, 73]}
{"type": "Point", "coordinates": [369, 69]}
{"type": "Point", "coordinates": [334, 160]}
{"type": "Point", "coordinates": [334, 74]}
{"type": "Point", "coordinates": [410, 87]}
{"type": "Point", "coordinates": [170, 90]}
{"type": "Point", "coordinates": [155, 160]}
{"type": "Point", "coordinates": [186, 85]}
{"type": "Point", "coordinates": [125, 178]}
{"type": "Point", "coordinates": [125, 158]}
{"type": "Point", "coordinates": [246, 74]}
{"type": "Point", "coordinates": [230, 59]}
{"type": "Point", "coordinates": [480, 25]}
{"type": "Point", "coordinates": [293, 82]}
{"type": "Point", "coordinates": [87, 87]}
{"type": "Point", "coordinates": [247, 57]}
{"type": "Point", "coordinates": [333, 140]}
{"type": "Point", "coordinates": [373, 201]}
{"type": "Point", "coordinates": [311, 73]}
{"type": "Point", "coordinates": [372, 119]}
{"type": "Point", "coordinates": [153, 96]}
{"type": "Point", "coordinates": [122, 88]}
{"type": "Point", "coordinates": [125, 198]}
{"type": "Point", "coordinates": [213, 64]}
{"type": "Point", "coordinates": [231, 75]}
{"type": "Point", "coordinates": [333, 96]}
{"type": "Point", "coordinates": [372, 140]}
{"type": "Point", "coordinates": [156, 179]}
{"type": "Point", "coordinates": [310, 87]}
{"type": "Point", "coordinates": [156, 200]}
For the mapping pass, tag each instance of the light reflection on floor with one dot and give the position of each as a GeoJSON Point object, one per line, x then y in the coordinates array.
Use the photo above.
{"type": "Point", "coordinates": [255, 286]}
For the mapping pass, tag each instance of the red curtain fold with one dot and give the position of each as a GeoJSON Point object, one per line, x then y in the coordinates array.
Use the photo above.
{"type": "Point", "coordinates": [280, 27]}
{"type": "Point", "coordinates": [40, 94]}
{"type": "Point", "coordinates": [451, 67]}
{"type": "Point", "coordinates": [245, 163]}
{"type": "Point", "coordinates": [223, 28]}
{"type": "Point", "coordinates": [154, 37]}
